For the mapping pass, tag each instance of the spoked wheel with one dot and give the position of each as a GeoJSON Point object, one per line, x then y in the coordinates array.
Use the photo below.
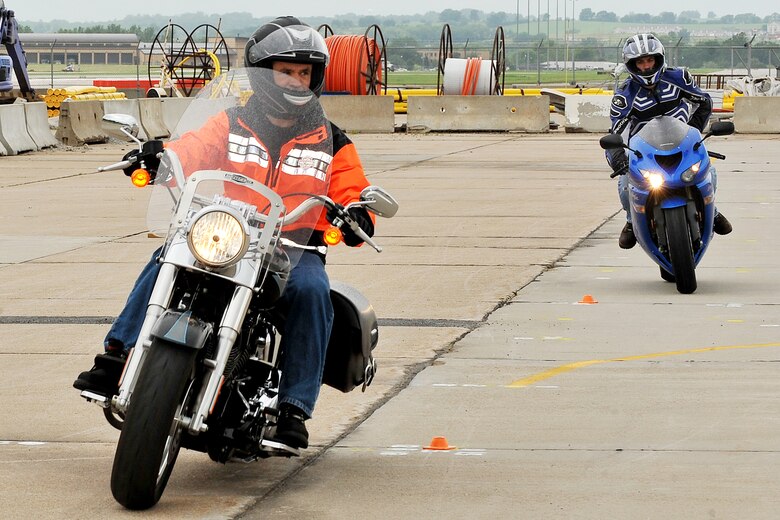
{"type": "Point", "coordinates": [210, 57]}
{"type": "Point", "coordinates": [151, 433]}
{"type": "Point", "coordinates": [680, 249]}
{"type": "Point", "coordinates": [497, 63]}
{"type": "Point", "coordinates": [445, 52]}
{"type": "Point", "coordinates": [376, 67]}
{"type": "Point", "coordinates": [169, 49]}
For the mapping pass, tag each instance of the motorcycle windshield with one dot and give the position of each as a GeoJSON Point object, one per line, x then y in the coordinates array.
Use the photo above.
{"type": "Point", "coordinates": [664, 133]}
{"type": "Point", "coordinates": [247, 127]}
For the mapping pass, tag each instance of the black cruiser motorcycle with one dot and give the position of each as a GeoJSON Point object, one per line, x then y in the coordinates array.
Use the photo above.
{"type": "Point", "coordinates": [204, 374]}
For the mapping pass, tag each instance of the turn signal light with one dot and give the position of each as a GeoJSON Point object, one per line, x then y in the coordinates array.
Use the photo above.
{"type": "Point", "coordinates": [140, 178]}
{"type": "Point", "coordinates": [332, 236]}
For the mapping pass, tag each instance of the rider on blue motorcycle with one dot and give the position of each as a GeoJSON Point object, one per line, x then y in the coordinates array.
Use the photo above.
{"type": "Point", "coordinates": [653, 90]}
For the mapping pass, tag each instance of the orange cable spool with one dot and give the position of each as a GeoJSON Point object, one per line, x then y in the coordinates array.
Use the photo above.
{"type": "Point", "coordinates": [353, 65]}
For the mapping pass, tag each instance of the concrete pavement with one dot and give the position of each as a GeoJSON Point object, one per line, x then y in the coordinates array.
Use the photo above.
{"type": "Point", "coordinates": [498, 237]}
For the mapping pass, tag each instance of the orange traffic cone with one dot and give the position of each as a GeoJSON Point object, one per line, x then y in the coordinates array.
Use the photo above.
{"type": "Point", "coordinates": [439, 444]}
{"type": "Point", "coordinates": [588, 299]}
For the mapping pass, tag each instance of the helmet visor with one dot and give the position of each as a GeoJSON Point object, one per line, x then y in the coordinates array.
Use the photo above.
{"type": "Point", "coordinates": [294, 43]}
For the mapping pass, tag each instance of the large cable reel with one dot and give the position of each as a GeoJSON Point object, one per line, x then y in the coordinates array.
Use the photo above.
{"type": "Point", "coordinates": [471, 76]}
{"type": "Point", "coordinates": [187, 60]}
{"type": "Point", "coordinates": [358, 64]}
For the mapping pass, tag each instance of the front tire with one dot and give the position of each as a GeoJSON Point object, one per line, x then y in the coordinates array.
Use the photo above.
{"type": "Point", "coordinates": [678, 238]}
{"type": "Point", "coordinates": [151, 433]}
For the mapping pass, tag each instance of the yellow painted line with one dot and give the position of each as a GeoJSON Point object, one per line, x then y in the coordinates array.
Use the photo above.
{"type": "Point", "coordinates": [547, 374]}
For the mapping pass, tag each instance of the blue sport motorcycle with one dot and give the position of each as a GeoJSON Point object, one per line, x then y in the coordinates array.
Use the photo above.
{"type": "Point", "coordinates": [671, 194]}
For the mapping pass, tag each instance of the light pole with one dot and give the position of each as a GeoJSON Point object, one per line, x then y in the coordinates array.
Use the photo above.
{"type": "Point", "coordinates": [572, 20]}
{"type": "Point", "coordinates": [517, 20]}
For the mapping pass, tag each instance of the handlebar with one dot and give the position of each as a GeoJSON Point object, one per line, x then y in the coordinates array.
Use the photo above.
{"type": "Point", "coordinates": [716, 155]}
{"type": "Point", "coordinates": [121, 165]}
{"type": "Point", "coordinates": [344, 217]}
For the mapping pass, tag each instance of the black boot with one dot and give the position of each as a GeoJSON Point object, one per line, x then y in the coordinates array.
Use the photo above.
{"type": "Point", "coordinates": [627, 239]}
{"type": "Point", "coordinates": [290, 429]}
{"type": "Point", "coordinates": [103, 377]}
{"type": "Point", "coordinates": [721, 225]}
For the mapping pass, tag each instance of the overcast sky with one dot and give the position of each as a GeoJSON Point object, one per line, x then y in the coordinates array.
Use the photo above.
{"type": "Point", "coordinates": [84, 11]}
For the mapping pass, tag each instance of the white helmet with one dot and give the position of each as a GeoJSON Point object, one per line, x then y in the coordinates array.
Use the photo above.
{"type": "Point", "coordinates": [639, 46]}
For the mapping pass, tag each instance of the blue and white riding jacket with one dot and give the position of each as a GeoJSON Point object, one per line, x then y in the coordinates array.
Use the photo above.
{"type": "Point", "coordinates": [633, 105]}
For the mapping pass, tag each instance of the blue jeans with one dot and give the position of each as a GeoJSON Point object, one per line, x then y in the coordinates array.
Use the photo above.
{"type": "Point", "coordinates": [308, 309]}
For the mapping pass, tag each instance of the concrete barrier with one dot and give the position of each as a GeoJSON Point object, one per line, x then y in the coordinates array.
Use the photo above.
{"type": "Point", "coordinates": [13, 130]}
{"type": "Point", "coordinates": [152, 118]}
{"type": "Point", "coordinates": [38, 125]}
{"type": "Point", "coordinates": [80, 123]}
{"type": "Point", "coordinates": [587, 114]}
{"type": "Point", "coordinates": [479, 113]}
{"type": "Point", "coordinates": [129, 107]}
{"type": "Point", "coordinates": [757, 114]}
{"type": "Point", "coordinates": [172, 110]}
{"type": "Point", "coordinates": [369, 114]}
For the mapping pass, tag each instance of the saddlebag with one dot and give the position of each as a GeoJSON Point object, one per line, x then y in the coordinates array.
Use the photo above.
{"type": "Point", "coordinates": [355, 334]}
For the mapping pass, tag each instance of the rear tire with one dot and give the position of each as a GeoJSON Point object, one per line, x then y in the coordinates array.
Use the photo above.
{"type": "Point", "coordinates": [151, 433]}
{"type": "Point", "coordinates": [678, 238]}
{"type": "Point", "coordinates": [666, 275]}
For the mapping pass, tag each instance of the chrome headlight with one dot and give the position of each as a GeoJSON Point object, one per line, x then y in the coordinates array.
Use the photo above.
{"type": "Point", "coordinates": [218, 236]}
{"type": "Point", "coordinates": [655, 180]}
{"type": "Point", "coordinates": [689, 174]}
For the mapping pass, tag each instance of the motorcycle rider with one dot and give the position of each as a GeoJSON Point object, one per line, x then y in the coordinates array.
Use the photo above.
{"type": "Point", "coordinates": [653, 90]}
{"type": "Point", "coordinates": [298, 56]}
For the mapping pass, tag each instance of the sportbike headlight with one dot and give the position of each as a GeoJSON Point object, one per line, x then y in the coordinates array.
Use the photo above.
{"type": "Point", "coordinates": [217, 237]}
{"type": "Point", "coordinates": [655, 180]}
{"type": "Point", "coordinates": [689, 174]}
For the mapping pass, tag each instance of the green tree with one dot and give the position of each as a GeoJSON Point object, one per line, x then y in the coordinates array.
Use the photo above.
{"type": "Point", "coordinates": [637, 18]}
{"type": "Point", "coordinates": [450, 16]}
{"type": "Point", "coordinates": [586, 14]}
{"type": "Point", "coordinates": [689, 17]}
{"type": "Point", "coordinates": [605, 16]}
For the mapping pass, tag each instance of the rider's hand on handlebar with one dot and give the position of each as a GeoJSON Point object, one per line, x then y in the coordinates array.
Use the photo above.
{"type": "Point", "coordinates": [145, 158]}
{"type": "Point", "coordinates": [352, 216]}
{"type": "Point", "coordinates": [621, 171]}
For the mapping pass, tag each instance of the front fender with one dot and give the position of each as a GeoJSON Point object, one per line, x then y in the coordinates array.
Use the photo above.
{"type": "Point", "coordinates": [182, 328]}
{"type": "Point", "coordinates": [673, 201]}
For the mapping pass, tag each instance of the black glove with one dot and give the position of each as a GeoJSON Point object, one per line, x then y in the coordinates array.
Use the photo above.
{"type": "Point", "coordinates": [618, 161]}
{"type": "Point", "coordinates": [621, 171]}
{"type": "Point", "coordinates": [145, 158]}
{"type": "Point", "coordinates": [359, 215]}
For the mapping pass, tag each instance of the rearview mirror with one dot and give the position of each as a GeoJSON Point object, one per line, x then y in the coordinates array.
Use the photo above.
{"type": "Point", "coordinates": [611, 142]}
{"type": "Point", "coordinates": [722, 128]}
{"type": "Point", "coordinates": [379, 201]}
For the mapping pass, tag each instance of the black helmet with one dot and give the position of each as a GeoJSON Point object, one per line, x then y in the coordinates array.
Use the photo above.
{"type": "Point", "coordinates": [290, 40]}
{"type": "Point", "coordinates": [639, 46]}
